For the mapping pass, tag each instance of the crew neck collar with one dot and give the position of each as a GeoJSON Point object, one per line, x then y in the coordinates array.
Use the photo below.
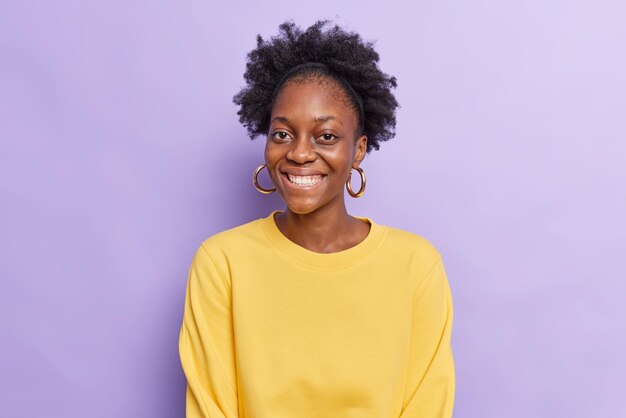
{"type": "Point", "coordinates": [322, 261]}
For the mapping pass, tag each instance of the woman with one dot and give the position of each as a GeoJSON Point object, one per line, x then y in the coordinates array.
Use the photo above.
{"type": "Point", "coordinates": [312, 312]}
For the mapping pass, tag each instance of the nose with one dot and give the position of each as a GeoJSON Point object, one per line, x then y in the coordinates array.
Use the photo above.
{"type": "Point", "coordinates": [301, 151]}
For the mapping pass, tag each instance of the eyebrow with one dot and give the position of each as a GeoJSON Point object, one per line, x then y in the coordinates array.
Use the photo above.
{"type": "Point", "coordinates": [322, 118]}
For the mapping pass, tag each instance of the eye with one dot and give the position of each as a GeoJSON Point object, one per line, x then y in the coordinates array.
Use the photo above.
{"type": "Point", "coordinates": [280, 136]}
{"type": "Point", "coordinates": [328, 137]}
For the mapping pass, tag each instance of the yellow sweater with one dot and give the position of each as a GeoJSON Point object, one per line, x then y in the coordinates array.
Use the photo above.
{"type": "Point", "coordinates": [273, 330]}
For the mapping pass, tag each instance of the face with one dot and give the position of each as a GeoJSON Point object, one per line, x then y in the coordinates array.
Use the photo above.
{"type": "Point", "coordinates": [312, 145]}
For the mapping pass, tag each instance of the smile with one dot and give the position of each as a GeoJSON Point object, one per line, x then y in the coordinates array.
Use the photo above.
{"type": "Point", "coordinates": [304, 181]}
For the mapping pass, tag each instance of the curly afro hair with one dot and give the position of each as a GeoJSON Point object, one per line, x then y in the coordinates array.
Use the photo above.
{"type": "Point", "coordinates": [314, 53]}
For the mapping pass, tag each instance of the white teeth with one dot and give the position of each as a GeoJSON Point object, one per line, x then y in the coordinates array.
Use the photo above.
{"type": "Point", "coordinates": [305, 180]}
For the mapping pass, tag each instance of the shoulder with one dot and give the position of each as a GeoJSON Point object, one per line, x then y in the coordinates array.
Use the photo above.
{"type": "Point", "coordinates": [420, 255]}
{"type": "Point", "coordinates": [414, 249]}
{"type": "Point", "coordinates": [404, 240]}
{"type": "Point", "coordinates": [236, 238]}
{"type": "Point", "coordinates": [213, 253]}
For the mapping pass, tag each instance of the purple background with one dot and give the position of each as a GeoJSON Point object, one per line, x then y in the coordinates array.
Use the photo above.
{"type": "Point", "coordinates": [121, 150]}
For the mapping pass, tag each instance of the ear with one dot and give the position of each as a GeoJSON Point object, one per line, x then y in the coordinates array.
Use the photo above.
{"type": "Point", "coordinates": [360, 149]}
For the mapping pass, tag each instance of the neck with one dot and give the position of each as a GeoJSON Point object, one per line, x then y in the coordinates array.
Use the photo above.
{"type": "Point", "coordinates": [327, 229]}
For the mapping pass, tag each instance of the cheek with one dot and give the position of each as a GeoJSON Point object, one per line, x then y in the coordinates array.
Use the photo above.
{"type": "Point", "coordinates": [271, 153]}
{"type": "Point", "coordinates": [272, 156]}
{"type": "Point", "coordinates": [340, 159]}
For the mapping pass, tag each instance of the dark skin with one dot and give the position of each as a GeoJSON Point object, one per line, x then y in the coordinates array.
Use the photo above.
{"type": "Point", "coordinates": [313, 140]}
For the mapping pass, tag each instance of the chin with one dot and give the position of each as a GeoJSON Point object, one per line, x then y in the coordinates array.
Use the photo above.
{"type": "Point", "coordinates": [302, 208]}
{"type": "Point", "coordinates": [303, 205]}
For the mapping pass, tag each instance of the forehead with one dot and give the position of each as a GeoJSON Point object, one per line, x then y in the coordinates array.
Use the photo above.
{"type": "Point", "coordinates": [313, 97]}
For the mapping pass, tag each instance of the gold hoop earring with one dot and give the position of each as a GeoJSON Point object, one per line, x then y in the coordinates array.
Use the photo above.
{"type": "Point", "coordinates": [255, 181]}
{"type": "Point", "coordinates": [349, 186]}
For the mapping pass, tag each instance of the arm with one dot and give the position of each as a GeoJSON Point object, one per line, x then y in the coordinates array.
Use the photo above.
{"type": "Point", "coordinates": [206, 345]}
{"type": "Point", "coordinates": [431, 375]}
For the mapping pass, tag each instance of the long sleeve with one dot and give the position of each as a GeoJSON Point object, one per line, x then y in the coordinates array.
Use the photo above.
{"type": "Point", "coordinates": [431, 376]}
{"type": "Point", "coordinates": [206, 344]}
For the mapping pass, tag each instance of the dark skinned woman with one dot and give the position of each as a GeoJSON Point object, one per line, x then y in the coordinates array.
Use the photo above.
{"type": "Point", "coordinates": [311, 312]}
